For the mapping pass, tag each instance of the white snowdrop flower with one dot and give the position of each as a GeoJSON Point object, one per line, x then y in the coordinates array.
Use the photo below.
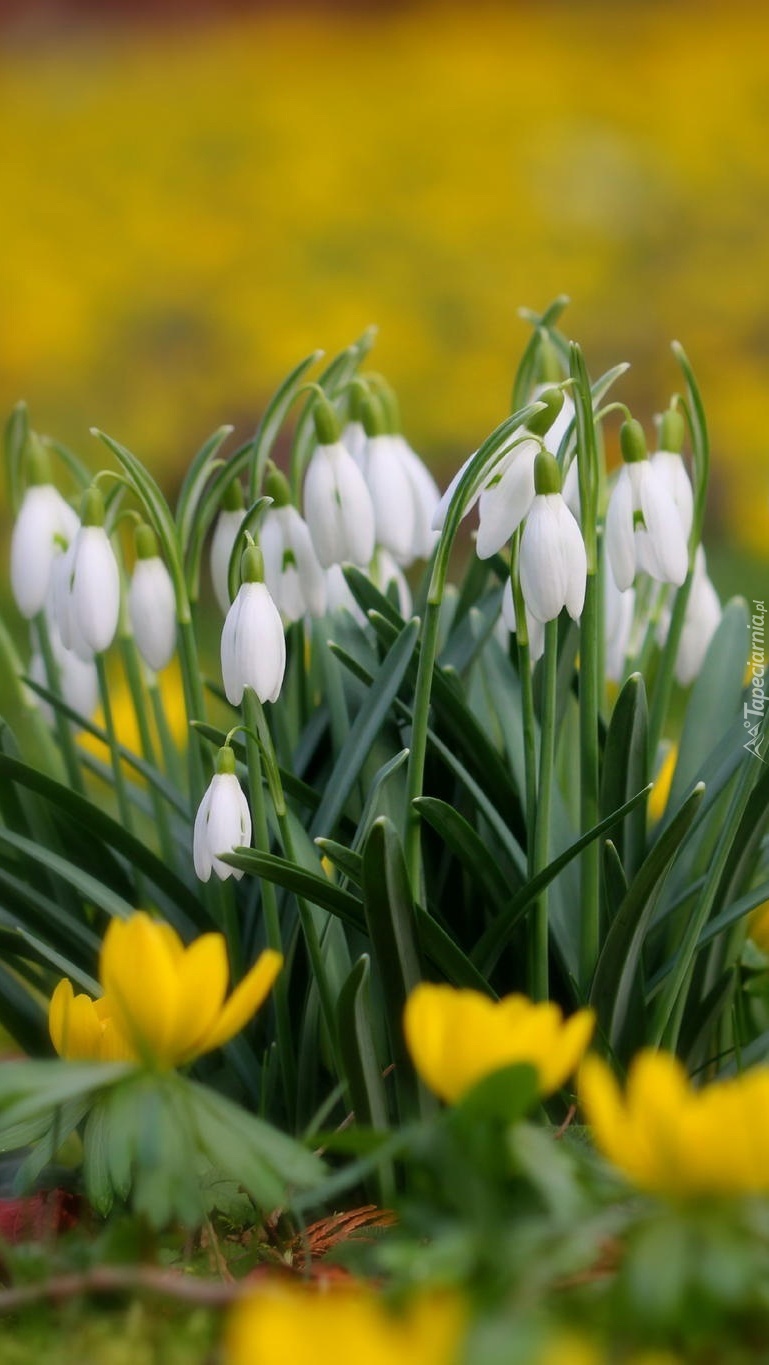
{"type": "Point", "coordinates": [89, 584]}
{"type": "Point", "coordinates": [701, 620]}
{"type": "Point", "coordinates": [292, 573]}
{"type": "Point", "coordinates": [228, 523]}
{"type": "Point", "coordinates": [223, 821]}
{"type": "Point", "coordinates": [560, 423]}
{"type": "Point", "coordinates": [44, 521]}
{"type": "Point", "coordinates": [535, 628]}
{"type": "Point", "coordinates": [392, 495]}
{"type": "Point", "coordinates": [570, 490]}
{"type": "Point", "coordinates": [385, 571]}
{"type": "Point", "coordinates": [553, 562]}
{"type": "Point", "coordinates": [426, 496]}
{"type": "Point", "coordinates": [439, 515]}
{"type": "Point", "coordinates": [506, 500]}
{"type": "Point", "coordinates": [78, 681]}
{"type": "Point", "coordinates": [253, 646]}
{"type": "Point", "coordinates": [669, 462]}
{"type": "Point", "coordinates": [339, 597]}
{"type": "Point", "coordinates": [337, 503]}
{"type": "Point", "coordinates": [152, 603]}
{"type": "Point", "coordinates": [619, 612]}
{"type": "Point", "coordinates": [354, 439]}
{"type": "Point", "coordinates": [508, 491]}
{"type": "Point", "coordinates": [58, 608]}
{"type": "Point", "coordinates": [644, 530]}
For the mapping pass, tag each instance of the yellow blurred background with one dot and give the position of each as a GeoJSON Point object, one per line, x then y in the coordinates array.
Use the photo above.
{"type": "Point", "coordinates": [190, 206]}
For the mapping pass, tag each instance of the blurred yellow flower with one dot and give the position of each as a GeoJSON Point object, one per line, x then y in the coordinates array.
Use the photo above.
{"type": "Point", "coordinates": [674, 1140]}
{"type": "Point", "coordinates": [758, 926]}
{"type": "Point", "coordinates": [163, 1004]}
{"type": "Point", "coordinates": [658, 796]}
{"type": "Point", "coordinates": [343, 1326]}
{"type": "Point", "coordinates": [456, 1037]}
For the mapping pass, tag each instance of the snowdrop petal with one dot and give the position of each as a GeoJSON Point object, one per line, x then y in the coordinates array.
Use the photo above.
{"type": "Point", "coordinates": [253, 646]}
{"type": "Point", "coordinates": [505, 503]}
{"type": "Point", "coordinates": [671, 468]}
{"type": "Point", "coordinates": [619, 534]}
{"type": "Point", "coordinates": [664, 526]}
{"type": "Point", "coordinates": [426, 498]}
{"type": "Point", "coordinates": [94, 590]}
{"type": "Point", "coordinates": [553, 560]}
{"type": "Point", "coordinates": [43, 517]}
{"type": "Point", "coordinates": [152, 609]}
{"type": "Point", "coordinates": [223, 822]}
{"type": "Point", "coordinates": [439, 515]}
{"type": "Point", "coordinates": [392, 496]}
{"type": "Point", "coordinates": [225, 533]}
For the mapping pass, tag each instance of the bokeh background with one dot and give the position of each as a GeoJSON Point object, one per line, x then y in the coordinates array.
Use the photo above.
{"type": "Point", "coordinates": [196, 195]}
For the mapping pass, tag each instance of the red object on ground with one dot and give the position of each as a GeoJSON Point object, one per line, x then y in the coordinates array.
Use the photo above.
{"type": "Point", "coordinates": [35, 1216]}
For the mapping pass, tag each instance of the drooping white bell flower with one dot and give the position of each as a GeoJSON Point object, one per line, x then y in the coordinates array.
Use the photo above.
{"type": "Point", "coordinates": [644, 530]}
{"type": "Point", "coordinates": [392, 496]}
{"type": "Point", "coordinates": [253, 646]}
{"type": "Point", "coordinates": [222, 823]}
{"type": "Point", "coordinates": [228, 523]}
{"type": "Point", "coordinates": [152, 603]}
{"type": "Point", "coordinates": [669, 463]}
{"type": "Point", "coordinates": [535, 629]}
{"type": "Point", "coordinates": [426, 496]}
{"type": "Point", "coordinates": [553, 562]}
{"type": "Point", "coordinates": [619, 612]}
{"type": "Point", "coordinates": [338, 508]}
{"type": "Point", "coordinates": [44, 527]}
{"type": "Point", "coordinates": [701, 620]}
{"type": "Point", "coordinates": [291, 570]}
{"type": "Point", "coordinates": [507, 493]}
{"type": "Point", "coordinates": [77, 679]}
{"type": "Point", "coordinates": [354, 438]}
{"type": "Point", "coordinates": [87, 585]}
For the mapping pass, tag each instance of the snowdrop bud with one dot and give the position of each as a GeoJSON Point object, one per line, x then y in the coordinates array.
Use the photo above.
{"type": "Point", "coordinates": [253, 647]}
{"type": "Point", "coordinates": [553, 562]}
{"type": "Point", "coordinates": [93, 587]}
{"type": "Point", "coordinates": [44, 526]}
{"type": "Point", "coordinates": [152, 603]}
{"type": "Point", "coordinates": [223, 821]}
{"type": "Point", "coordinates": [228, 524]}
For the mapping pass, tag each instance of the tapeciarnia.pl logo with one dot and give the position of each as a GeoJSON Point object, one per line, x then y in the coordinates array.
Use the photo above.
{"type": "Point", "coordinates": [754, 709]}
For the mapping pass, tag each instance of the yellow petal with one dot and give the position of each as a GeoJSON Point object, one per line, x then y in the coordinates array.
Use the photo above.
{"type": "Point", "coordinates": [139, 974]}
{"type": "Point", "coordinates": [203, 976]}
{"type": "Point", "coordinates": [74, 1024]}
{"type": "Point", "coordinates": [245, 1000]}
{"type": "Point", "coordinates": [604, 1108]}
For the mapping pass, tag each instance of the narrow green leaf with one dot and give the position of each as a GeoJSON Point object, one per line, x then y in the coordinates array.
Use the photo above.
{"type": "Point", "coordinates": [319, 890]}
{"type": "Point", "coordinates": [468, 846]}
{"type": "Point", "coordinates": [390, 916]}
{"type": "Point", "coordinates": [617, 984]}
{"type": "Point", "coordinates": [625, 770]}
{"type": "Point", "coordinates": [194, 482]}
{"type": "Point", "coordinates": [362, 1066]}
{"type": "Point", "coordinates": [364, 729]}
{"type": "Point", "coordinates": [490, 945]}
{"type": "Point", "coordinates": [16, 436]}
{"type": "Point", "coordinates": [273, 418]}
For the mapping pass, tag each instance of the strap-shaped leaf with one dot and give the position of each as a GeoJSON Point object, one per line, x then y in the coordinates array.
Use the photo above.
{"type": "Point", "coordinates": [625, 770]}
{"type": "Point", "coordinates": [194, 482]}
{"type": "Point", "coordinates": [617, 983]}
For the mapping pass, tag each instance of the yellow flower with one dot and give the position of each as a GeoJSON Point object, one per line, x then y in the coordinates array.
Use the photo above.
{"type": "Point", "coordinates": [81, 1028]}
{"type": "Point", "coordinates": [658, 796]}
{"type": "Point", "coordinates": [163, 1004]}
{"type": "Point", "coordinates": [456, 1037]}
{"type": "Point", "coordinates": [758, 926]}
{"type": "Point", "coordinates": [343, 1326]}
{"type": "Point", "coordinates": [674, 1140]}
